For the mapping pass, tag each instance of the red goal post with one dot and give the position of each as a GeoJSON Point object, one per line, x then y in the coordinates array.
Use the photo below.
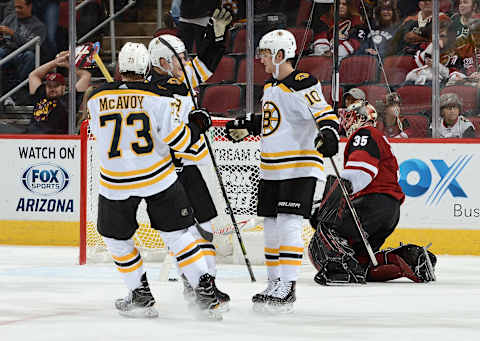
{"type": "Point", "coordinates": [239, 165]}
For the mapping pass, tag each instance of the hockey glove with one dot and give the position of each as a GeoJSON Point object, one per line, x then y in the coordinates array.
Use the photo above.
{"type": "Point", "coordinates": [221, 19]}
{"type": "Point", "coordinates": [326, 142]}
{"type": "Point", "coordinates": [201, 118]}
{"type": "Point", "coordinates": [236, 130]}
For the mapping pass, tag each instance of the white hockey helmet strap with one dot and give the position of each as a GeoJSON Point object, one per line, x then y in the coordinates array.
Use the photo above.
{"type": "Point", "coordinates": [275, 41]}
{"type": "Point", "coordinates": [158, 50]}
{"type": "Point", "coordinates": [134, 57]}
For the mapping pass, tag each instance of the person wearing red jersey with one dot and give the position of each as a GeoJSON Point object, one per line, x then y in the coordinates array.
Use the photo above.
{"type": "Point", "coordinates": [350, 31]}
{"type": "Point", "coordinates": [370, 175]}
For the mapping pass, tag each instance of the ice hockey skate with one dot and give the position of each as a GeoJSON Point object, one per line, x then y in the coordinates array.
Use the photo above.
{"type": "Point", "coordinates": [260, 300]}
{"type": "Point", "coordinates": [281, 300]}
{"type": "Point", "coordinates": [206, 305]}
{"type": "Point", "coordinates": [188, 292]}
{"type": "Point", "coordinates": [222, 297]}
{"type": "Point", "coordinates": [139, 303]}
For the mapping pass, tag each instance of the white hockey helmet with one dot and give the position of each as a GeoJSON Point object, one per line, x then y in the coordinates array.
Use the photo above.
{"type": "Point", "coordinates": [277, 40]}
{"type": "Point", "coordinates": [133, 57]}
{"type": "Point", "coordinates": [158, 50]}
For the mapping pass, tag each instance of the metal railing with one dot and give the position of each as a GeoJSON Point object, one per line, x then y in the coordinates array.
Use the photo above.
{"type": "Point", "coordinates": [35, 41]}
{"type": "Point", "coordinates": [111, 20]}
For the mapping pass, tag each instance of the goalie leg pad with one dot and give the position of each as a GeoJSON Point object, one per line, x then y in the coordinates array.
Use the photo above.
{"type": "Point", "coordinates": [408, 261]}
{"type": "Point", "coordinates": [332, 256]}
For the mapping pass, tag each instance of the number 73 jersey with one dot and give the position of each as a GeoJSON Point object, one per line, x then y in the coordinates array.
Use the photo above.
{"type": "Point", "coordinates": [288, 132]}
{"type": "Point", "coordinates": [135, 129]}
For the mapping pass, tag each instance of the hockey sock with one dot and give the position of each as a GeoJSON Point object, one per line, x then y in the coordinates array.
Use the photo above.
{"type": "Point", "coordinates": [205, 245]}
{"type": "Point", "coordinates": [127, 259]}
{"type": "Point", "coordinates": [291, 245]}
{"type": "Point", "coordinates": [188, 254]}
{"type": "Point", "coordinates": [272, 243]}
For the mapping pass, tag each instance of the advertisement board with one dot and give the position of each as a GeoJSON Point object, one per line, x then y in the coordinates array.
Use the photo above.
{"type": "Point", "coordinates": [40, 184]}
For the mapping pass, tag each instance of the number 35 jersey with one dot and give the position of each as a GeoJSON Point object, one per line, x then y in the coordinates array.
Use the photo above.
{"type": "Point", "coordinates": [368, 151]}
{"type": "Point", "coordinates": [288, 131]}
{"type": "Point", "coordinates": [135, 129]}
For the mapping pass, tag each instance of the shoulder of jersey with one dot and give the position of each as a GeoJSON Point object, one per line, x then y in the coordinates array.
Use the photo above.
{"type": "Point", "coordinates": [105, 87]}
{"type": "Point", "coordinates": [300, 80]}
{"type": "Point", "coordinates": [367, 131]}
{"type": "Point", "coordinates": [169, 87]}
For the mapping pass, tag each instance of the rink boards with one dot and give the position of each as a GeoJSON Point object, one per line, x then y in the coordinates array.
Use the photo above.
{"type": "Point", "coordinates": [41, 175]}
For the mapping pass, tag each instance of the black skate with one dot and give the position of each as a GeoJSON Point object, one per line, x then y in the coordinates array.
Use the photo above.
{"type": "Point", "coordinates": [207, 304]}
{"type": "Point", "coordinates": [259, 300]}
{"type": "Point", "coordinates": [188, 292]}
{"type": "Point", "coordinates": [222, 297]}
{"type": "Point", "coordinates": [139, 303]}
{"type": "Point", "coordinates": [281, 300]}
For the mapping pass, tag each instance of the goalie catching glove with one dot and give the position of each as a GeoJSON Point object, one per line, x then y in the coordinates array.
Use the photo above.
{"type": "Point", "coordinates": [237, 130]}
{"type": "Point", "coordinates": [201, 118]}
{"type": "Point", "coordinates": [326, 142]}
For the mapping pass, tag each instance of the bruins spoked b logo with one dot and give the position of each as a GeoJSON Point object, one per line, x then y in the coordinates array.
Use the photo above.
{"type": "Point", "coordinates": [271, 118]}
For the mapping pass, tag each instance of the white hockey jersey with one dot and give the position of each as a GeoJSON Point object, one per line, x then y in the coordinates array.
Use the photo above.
{"type": "Point", "coordinates": [135, 129]}
{"type": "Point", "coordinates": [457, 130]}
{"type": "Point", "coordinates": [197, 72]}
{"type": "Point", "coordinates": [288, 131]}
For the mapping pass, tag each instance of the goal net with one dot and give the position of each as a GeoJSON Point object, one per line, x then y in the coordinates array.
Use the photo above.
{"type": "Point", "coordinates": [238, 164]}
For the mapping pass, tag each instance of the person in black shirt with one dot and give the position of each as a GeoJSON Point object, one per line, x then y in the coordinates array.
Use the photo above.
{"type": "Point", "coordinates": [48, 89]}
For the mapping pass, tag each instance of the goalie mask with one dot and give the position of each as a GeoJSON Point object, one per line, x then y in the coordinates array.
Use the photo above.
{"type": "Point", "coordinates": [133, 57]}
{"type": "Point", "coordinates": [275, 41]}
{"type": "Point", "coordinates": [159, 50]}
{"type": "Point", "coordinates": [358, 114]}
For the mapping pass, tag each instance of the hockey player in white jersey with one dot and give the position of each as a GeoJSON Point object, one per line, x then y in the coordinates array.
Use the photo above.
{"type": "Point", "coordinates": [290, 165]}
{"type": "Point", "coordinates": [135, 129]}
{"type": "Point", "coordinates": [167, 73]}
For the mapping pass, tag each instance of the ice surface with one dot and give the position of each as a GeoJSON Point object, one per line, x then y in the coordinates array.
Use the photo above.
{"type": "Point", "coordinates": [46, 296]}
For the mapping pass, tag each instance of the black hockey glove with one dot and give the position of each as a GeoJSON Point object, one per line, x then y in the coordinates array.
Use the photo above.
{"type": "Point", "coordinates": [201, 118]}
{"type": "Point", "coordinates": [237, 130]}
{"type": "Point", "coordinates": [326, 142]}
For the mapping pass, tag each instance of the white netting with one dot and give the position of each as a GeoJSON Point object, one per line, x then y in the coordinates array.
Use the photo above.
{"type": "Point", "coordinates": [239, 166]}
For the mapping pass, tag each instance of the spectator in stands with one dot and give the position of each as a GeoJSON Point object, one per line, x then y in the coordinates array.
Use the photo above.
{"type": "Point", "coordinates": [350, 27]}
{"type": "Point", "coordinates": [175, 11]}
{"type": "Point", "coordinates": [194, 16]}
{"type": "Point", "coordinates": [460, 20]}
{"type": "Point", "coordinates": [17, 29]}
{"type": "Point", "coordinates": [453, 124]}
{"type": "Point", "coordinates": [423, 74]}
{"type": "Point", "coordinates": [415, 30]}
{"type": "Point", "coordinates": [48, 12]}
{"type": "Point", "coordinates": [47, 87]}
{"type": "Point", "coordinates": [353, 95]}
{"type": "Point", "coordinates": [6, 8]}
{"type": "Point", "coordinates": [389, 120]}
{"type": "Point", "coordinates": [384, 27]}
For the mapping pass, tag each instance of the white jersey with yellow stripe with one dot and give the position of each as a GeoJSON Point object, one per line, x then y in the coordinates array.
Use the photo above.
{"type": "Point", "coordinates": [288, 131]}
{"type": "Point", "coordinates": [197, 153]}
{"type": "Point", "coordinates": [135, 129]}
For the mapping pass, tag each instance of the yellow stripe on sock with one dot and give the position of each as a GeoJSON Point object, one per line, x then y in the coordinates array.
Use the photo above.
{"type": "Point", "coordinates": [132, 269]}
{"type": "Point", "coordinates": [130, 256]}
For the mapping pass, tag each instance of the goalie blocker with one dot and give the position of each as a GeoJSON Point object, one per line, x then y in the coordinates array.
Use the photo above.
{"type": "Point", "coordinates": [335, 255]}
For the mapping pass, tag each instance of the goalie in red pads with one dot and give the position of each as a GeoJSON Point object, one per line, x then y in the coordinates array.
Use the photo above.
{"type": "Point", "coordinates": [370, 174]}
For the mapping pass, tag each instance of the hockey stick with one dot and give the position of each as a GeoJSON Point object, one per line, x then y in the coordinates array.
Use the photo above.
{"type": "Point", "coordinates": [215, 166]}
{"type": "Point", "coordinates": [362, 232]}
{"type": "Point", "coordinates": [335, 79]}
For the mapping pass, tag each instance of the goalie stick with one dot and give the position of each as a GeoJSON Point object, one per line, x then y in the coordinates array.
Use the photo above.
{"type": "Point", "coordinates": [335, 79]}
{"type": "Point", "coordinates": [215, 166]}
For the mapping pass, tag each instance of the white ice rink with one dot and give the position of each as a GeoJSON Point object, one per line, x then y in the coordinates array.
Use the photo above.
{"type": "Point", "coordinates": [46, 296]}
